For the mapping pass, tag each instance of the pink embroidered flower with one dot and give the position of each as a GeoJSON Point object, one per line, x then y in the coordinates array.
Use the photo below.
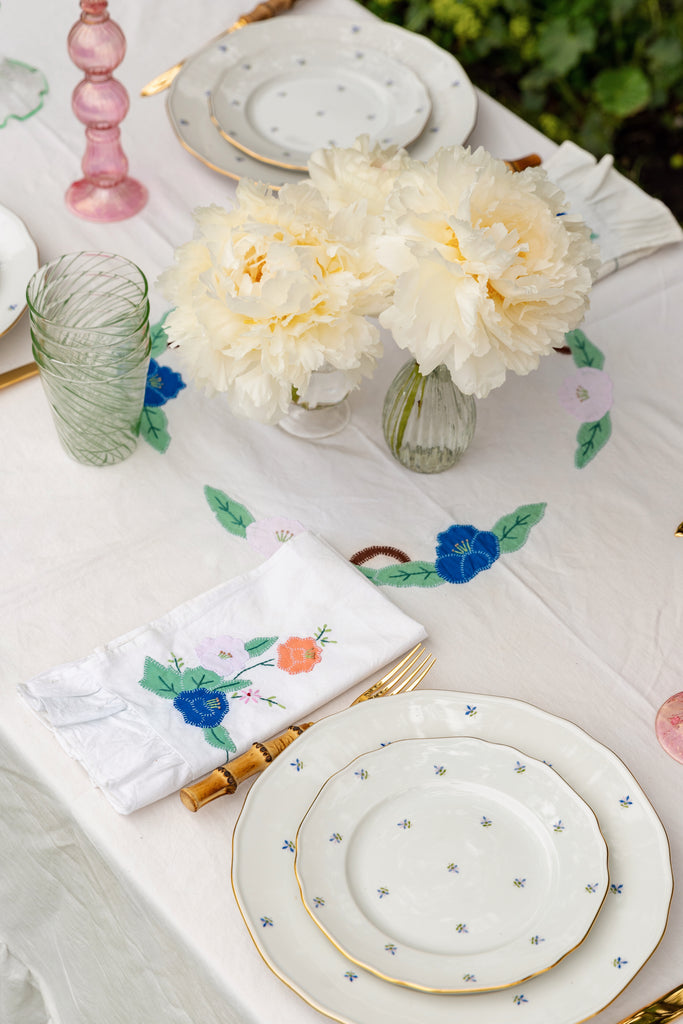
{"type": "Point", "coordinates": [298, 654]}
{"type": "Point", "coordinates": [587, 394]}
{"type": "Point", "coordinates": [225, 655]}
{"type": "Point", "coordinates": [249, 696]}
{"type": "Point", "coordinates": [268, 535]}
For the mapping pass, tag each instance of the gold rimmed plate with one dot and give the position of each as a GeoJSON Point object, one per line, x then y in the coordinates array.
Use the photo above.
{"type": "Point", "coordinates": [18, 263]}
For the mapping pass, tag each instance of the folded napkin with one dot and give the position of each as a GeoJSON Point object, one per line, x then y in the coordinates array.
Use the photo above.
{"type": "Point", "coordinates": [626, 222]}
{"type": "Point", "coordinates": [163, 705]}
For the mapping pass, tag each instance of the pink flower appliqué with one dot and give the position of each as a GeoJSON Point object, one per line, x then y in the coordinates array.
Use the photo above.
{"type": "Point", "coordinates": [587, 394]}
{"type": "Point", "coordinates": [225, 655]}
{"type": "Point", "coordinates": [268, 535]}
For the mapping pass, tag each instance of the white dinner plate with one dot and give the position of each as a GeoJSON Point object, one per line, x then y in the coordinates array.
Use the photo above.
{"type": "Point", "coordinates": [280, 106]}
{"type": "Point", "coordinates": [627, 930]}
{"type": "Point", "coordinates": [18, 263]}
{"type": "Point", "coordinates": [452, 96]}
{"type": "Point", "coordinates": [451, 865]}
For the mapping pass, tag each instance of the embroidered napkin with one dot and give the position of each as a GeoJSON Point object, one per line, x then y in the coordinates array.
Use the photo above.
{"type": "Point", "coordinates": [626, 222]}
{"type": "Point", "coordinates": [163, 705]}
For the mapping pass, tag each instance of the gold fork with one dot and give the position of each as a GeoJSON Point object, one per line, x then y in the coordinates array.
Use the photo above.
{"type": "Point", "coordinates": [663, 1010]}
{"type": "Point", "coordinates": [403, 678]}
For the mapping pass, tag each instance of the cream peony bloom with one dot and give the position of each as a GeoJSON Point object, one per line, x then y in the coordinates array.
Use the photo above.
{"type": "Point", "coordinates": [490, 269]}
{"type": "Point", "coordinates": [267, 293]}
{"type": "Point", "coordinates": [361, 172]}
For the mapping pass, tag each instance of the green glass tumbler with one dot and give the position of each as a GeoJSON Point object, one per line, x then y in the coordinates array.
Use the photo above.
{"type": "Point", "coordinates": [89, 317]}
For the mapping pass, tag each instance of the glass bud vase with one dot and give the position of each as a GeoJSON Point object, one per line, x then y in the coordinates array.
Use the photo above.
{"type": "Point", "coordinates": [324, 409]}
{"type": "Point", "coordinates": [428, 423]}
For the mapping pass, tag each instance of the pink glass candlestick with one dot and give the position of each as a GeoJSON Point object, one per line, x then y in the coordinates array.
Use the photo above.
{"type": "Point", "coordinates": [97, 45]}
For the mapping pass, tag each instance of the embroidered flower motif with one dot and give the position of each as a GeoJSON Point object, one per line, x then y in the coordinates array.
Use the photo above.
{"type": "Point", "coordinates": [298, 654]}
{"type": "Point", "coordinates": [464, 551]}
{"type": "Point", "coordinates": [225, 655]}
{"type": "Point", "coordinates": [251, 696]}
{"type": "Point", "coordinates": [587, 394]}
{"type": "Point", "coordinates": [163, 383]}
{"type": "Point", "coordinates": [268, 535]}
{"type": "Point", "coordinates": [202, 707]}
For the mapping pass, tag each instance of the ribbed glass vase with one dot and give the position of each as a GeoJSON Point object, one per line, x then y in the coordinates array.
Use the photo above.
{"type": "Point", "coordinates": [428, 423]}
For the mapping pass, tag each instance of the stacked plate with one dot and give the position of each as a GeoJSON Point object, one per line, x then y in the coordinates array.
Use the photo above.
{"type": "Point", "coordinates": [256, 103]}
{"type": "Point", "coordinates": [414, 851]}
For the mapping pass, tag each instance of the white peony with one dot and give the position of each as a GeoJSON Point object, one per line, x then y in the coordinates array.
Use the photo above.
{"type": "Point", "coordinates": [269, 292]}
{"type": "Point", "coordinates": [491, 270]}
{"type": "Point", "coordinates": [361, 172]}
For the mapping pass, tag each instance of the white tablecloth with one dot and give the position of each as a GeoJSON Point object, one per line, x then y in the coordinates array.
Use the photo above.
{"type": "Point", "coordinates": [107, 919]}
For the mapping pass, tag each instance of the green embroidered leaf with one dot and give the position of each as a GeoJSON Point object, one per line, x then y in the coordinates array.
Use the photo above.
{"type": "Point", "coordinates": [591, 438]}
{"type": "Point", "coordinates": [161, 679]}
{"type": "Point", "coordinates": [193, 678]}
{"type": "Point", "coordinates": [231, 685]}
{"type": "Point", "coordinates": [159, 336]}
{"type": "Point", "coordinates": [233, 516]}
{"type": "Point", "coordinates": [258, 645]}
{"type": "Point", "coordinates": [513, 530]}
{"type": "Point", "coordinates": [370, 573]}
{"type": "Point", "coordinates": [153, 428]}
{"type": "Point", "coordinates": [408, 574]}
{"type": "Point", "coordinates": [584, 352]}
{"type": "Point", "coordinates": [219, 736]}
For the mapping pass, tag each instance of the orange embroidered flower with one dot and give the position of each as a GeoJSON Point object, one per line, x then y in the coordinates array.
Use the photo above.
{"type": "Point", "coordinates": [298, 654]}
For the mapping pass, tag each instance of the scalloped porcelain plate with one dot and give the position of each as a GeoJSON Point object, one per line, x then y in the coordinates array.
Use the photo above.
{"type": "Point", "coordinates": [281, 106]}
{"type": "Point", "coordinates": [451, 865]}
{"type": "Point", "coordinates": [18, 263]}
{"type": "Point", "coordinates": [626, 932]}
{"type": "Point", "coordinates": [452, 96]}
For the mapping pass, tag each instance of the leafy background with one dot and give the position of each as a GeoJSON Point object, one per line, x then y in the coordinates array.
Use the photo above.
{"type": "Point", "coordinates": [607, 74]}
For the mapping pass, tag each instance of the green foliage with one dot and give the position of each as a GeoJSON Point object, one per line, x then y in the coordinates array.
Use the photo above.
{"type": "Point", "coordinates": [575, 68]}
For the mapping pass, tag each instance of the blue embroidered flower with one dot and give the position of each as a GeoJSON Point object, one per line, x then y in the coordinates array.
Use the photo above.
{"type": "Point", "coordinates": [202, 707]}
{"type": "Point", "coordinates": [464, 551]}
{"type": "Point", "coordinates": [162, 384]}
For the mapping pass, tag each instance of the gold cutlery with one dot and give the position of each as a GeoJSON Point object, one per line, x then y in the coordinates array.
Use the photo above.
{"type": "Point", "coordinates": [263, 11]}
{"type": "Point", "coordinates": [679, 530]}
{"type": "Point", "coordinates": [17, 374]}
{"type": "Point", "coordinates": [403, 678]}
{"type": "Point", "coordinates": [661, 1011]}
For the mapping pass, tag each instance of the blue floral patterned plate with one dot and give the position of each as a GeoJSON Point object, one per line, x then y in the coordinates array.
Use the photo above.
{"type": "Point", "coordinates": [451, 865]}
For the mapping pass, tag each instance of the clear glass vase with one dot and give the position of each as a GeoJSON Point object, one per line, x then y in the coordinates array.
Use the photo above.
{"type": "Point", "coordinates": [324, 409]}
{"type": "Point", "coordinates": [428, 423]}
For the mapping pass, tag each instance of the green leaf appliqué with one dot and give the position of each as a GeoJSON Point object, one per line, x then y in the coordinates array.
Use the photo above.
{"type": "Point", "coordinates": [218, 736]}
{"type": "Point", "coordinates": [584, 352]}
{"type": "Point", "coordinates": [590, 438]}
{"type": "Point", "coordinates": [258, 645]}
{"type": "Point", "coordinates": [162, 679]}
{"type": "Point", "coordinates": [193, 678]}
{"type": "Point", "coordinates": [230, 514]}
{"type": "Point", "coordinates": [407, 574]}
{"type": "Point", "coordinates": [153, 427]}
{"type": "Point", "coordinates": [158, 335]}
{"type": "Point", "coordinates": [512, 530]}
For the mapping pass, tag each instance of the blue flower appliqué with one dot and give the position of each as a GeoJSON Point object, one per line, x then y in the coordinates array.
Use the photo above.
{"type": "Point", "coordinates": [162, 384]}
{"type": "Point", "coordinates": [202, 707]}
{"type": "Point", "coordinates": [464, 551]}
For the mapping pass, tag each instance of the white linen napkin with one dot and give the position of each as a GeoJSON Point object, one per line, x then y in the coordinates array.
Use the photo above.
{"type": "Point", "coordinates": [163, 705]}
{"type": "Point", "coordinates": [627, 223]}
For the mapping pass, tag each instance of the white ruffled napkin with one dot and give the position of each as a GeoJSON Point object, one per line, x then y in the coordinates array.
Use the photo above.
{"type": "Point", "coordinates": [627, 223]}
{"type": "Point", "coordinates": [156, 709]}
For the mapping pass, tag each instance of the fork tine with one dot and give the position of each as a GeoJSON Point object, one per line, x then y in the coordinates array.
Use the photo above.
{"type": "Point", "coordinates": [396, 673]}
{"type": "Point", "coordinates": [408, 682]}
{"type": "Point", "coordinates": [413, 680]}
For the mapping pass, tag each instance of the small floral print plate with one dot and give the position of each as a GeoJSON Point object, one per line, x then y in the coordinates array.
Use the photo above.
{"type": "Point", "coordinates": [282, 105]}
{"type": "Point", "coordinates": [629, 927]}
{"type": "Point", "coordinates": [462, 865]}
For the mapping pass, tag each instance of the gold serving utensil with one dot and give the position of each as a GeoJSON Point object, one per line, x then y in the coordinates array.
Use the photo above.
{"type": "Point", "coordinates": [662, 1011]}
{"type": "Point", "coordinates": [263, 11]}
{"type": "Point", "coordinates": [17, 374]}
{"type": "Point", "coordinates": [679, 530]}
{"type": "Point", "coordinates": [403, 678]}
